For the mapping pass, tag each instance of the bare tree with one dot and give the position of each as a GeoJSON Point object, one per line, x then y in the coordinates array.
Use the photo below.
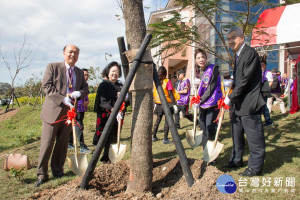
{"type": "Point", "coordinates": [95, 75]}
{"type": "Point", "coordinates": [22, 57]}
{"type": "Point", "coordinates": [208, 21]}
{"type": "Point", "coordinates": [141, 160]}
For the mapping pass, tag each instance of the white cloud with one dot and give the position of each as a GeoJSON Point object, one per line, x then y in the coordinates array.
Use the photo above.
{"type": "Point", "coordinates": [51, 24]}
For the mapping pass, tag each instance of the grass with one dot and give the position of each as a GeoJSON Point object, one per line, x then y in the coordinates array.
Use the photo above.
{"type": "Point", "coordinates": [23, 131]}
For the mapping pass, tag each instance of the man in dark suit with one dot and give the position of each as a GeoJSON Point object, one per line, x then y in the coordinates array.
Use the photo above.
{"type": "Point", "coordinates": [62, 82]}
{"type": "Point", "coordinates": [246, 101]}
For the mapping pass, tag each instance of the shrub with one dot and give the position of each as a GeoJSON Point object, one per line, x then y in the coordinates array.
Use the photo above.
{"type": "Point", "coordinates": [92, 98]}
{"type": "Point", "coordinates": [29, 101]}
{"type": "Point", "coordinates": [17, 173]}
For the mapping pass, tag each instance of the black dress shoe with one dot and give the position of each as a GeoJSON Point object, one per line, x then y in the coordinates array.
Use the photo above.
{"type": "Point", "coordinates": [105, 159]}
{"type": "Point", "coordinates": [212, 163]}
{"type": "Point", "coordinates": [106, 162]}
{"type": "Point", "coordinates": [58, 175]}
{"type": "Point", "coordinates": [154, 139]}
{"type": "Point", "coordinates": [40, 182]}
{"type": "Point", "coordinates": [231, 165]}
{"type": "Point", "coordinates": [249, 173]}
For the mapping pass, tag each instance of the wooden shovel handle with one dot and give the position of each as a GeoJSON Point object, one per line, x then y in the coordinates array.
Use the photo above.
{"type": "Point", "coordinates": [195, 112]}
{"type": "Point", "coordinates": [74, 127]}
{"type": "Point", "coordinates": [221, 118]}
{"type": "Point", "coordinates": [75, 140]}
{"type": "Point", "coordinates": [119, 132]}
{"type": "Point", "coordinates": [195, 121]}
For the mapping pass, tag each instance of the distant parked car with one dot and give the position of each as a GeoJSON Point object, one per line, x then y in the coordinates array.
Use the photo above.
{"type": "Point", "coordinates": [3, 102]}
{"type": "Point", "coordinates": [9, 101]}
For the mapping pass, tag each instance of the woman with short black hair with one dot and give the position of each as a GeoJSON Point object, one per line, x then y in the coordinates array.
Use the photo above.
{"type": "Point", "coordinates": [107, 95]}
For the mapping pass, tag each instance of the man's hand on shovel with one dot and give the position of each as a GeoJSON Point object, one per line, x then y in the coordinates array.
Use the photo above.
{"type": "Point", "coordinates": [67, 102]}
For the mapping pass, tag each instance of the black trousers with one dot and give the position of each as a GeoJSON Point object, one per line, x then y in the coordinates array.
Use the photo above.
{"type": "Point", "coordinates": [112, 138]}
{"type": "Point", "coordinates": [79, 130]}
{"type": "Point", "coordinates": [159, 113]}
{"type": "Point", "coordinates": [253, 127]}
{"type": "Point", "coordinates": [266, 112]}
{"type": "Point", "coordinates": [185, 111]}
{"type": "Point", "coordinates": [208, 125]}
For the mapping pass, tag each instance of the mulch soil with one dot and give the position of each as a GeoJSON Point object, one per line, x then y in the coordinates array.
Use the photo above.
{"type": "Point", "coordinates": [110, 180]}
{"type": "Point", "coordinates": [6, 115]}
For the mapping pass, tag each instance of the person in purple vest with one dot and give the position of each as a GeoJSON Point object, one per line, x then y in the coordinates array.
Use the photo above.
{"type": "Point", "coordinates": [82, 108]}
{"type": "Point", "coordinates": [210, 92]}
{"type": "Point", "coordinates": [285, 81]}
{"type": "Point", "coordinates": [266, 76]}
{"type": "Point", "coordinates": [183, 89]}
{"type": "Point", "coordinates": [276, 93]}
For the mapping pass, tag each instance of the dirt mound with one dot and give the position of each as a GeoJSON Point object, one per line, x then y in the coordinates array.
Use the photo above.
{"type": "Point", "coordinates": [9, 114]}
{"type": "Point", "coordinates": [110, 181]}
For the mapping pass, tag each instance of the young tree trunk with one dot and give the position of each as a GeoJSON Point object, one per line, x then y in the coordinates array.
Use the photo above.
{"type": "Point", "coordinates": [141, 160]}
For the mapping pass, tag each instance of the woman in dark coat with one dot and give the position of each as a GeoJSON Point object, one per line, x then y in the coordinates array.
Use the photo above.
{"type": "Point", "coordinates": [107, 94]}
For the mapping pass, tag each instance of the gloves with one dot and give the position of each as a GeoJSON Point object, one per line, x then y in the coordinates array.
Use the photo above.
{"type": "Point", "coordinates": [175, 109]}
{"type": "Point", "coordinates": [67, 102]}
{"type": "Point", "coordinates": [196, 105]}
{"type": "Point", "coordinates": [120, 116]}
{"type": "Point", "coordinates": [196, 81]}
{"type": "Point", "coordinates": [227, 101]}
{"type": "Point", "coordinates": [75, 95]}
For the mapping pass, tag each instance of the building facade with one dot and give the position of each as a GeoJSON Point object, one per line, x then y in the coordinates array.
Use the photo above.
{"type": "Point", "coordinates": [184, 59]}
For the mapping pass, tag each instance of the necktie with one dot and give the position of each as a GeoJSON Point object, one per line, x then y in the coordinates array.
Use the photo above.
{"type": "Point", "coordinates": [70, 80]}
{"type": "Point", "coordinates": [236, 59]}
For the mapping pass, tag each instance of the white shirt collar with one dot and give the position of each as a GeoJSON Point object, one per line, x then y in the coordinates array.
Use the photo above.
{"type": "Point", "coordinates": [241, 48]}
{"type": "Point", "coordinates": [67, 65]}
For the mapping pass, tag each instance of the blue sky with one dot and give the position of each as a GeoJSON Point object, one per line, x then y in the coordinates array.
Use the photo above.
{"type": "Point", "coordinates": [51, 24]}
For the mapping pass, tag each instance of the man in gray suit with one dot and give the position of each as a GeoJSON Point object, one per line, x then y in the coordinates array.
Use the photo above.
{"type": "Point", "coordinates": [62, 83]}
{"type": "Point", "coordinates": [247, 101]}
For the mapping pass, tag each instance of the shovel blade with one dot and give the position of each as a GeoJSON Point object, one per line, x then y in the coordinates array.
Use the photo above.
{"type": "Point", "coordinates": [82, 163]}
{"type": "Point", "coordinates": [194, 139]}
{"type": "Point", "coordinates": [211, 152]}
{"type": "Point", "coordinates": [116, 154]}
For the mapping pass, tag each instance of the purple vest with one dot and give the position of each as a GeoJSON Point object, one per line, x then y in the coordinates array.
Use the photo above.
{"type": "Point", "coordinates": [264, 75]}
{"type": "Point", "coordinates": [184, 98]}
{"type": "Point", "coordinates": [217, 93]}
{"type": "Point", "coordinates": [81, 108]}
{"type": "Point", "coordinates": [286, 82]}
{"type": "Point", "coordinates": [278, 89]}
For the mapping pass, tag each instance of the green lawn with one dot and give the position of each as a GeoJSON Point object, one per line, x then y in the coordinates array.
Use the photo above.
{"type": "Point", "coordinates": [23, 131]}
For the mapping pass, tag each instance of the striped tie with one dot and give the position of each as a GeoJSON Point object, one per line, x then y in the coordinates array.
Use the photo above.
{"type": "Point", "coordinates": [70, 81]}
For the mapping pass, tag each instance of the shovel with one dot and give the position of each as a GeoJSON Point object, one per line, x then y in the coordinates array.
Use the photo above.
{"type": "Point", "coordinates": [77, 161]}
{"type": "Point", "coordinates": [213, 148]}
{"type": "Point", "coordinates": [117, 151]}
{"type": "Point", "coordinates": [194, 137]}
